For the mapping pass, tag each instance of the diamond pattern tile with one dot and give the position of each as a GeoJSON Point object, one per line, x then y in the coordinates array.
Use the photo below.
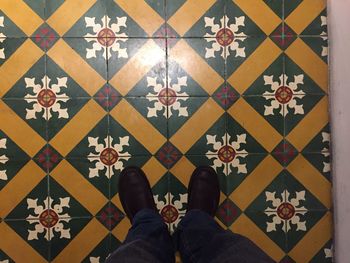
{"type": "Point", "coordinates": [90, 87]}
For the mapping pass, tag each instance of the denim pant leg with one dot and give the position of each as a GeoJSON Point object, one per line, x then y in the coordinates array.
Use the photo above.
{"type": "Point", "coordinates": [148, 240]}
{"type": "Point", "coordinates": [200, 238]}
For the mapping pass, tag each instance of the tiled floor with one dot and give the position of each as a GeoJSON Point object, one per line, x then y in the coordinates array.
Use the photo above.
{"type": "Point", "coordinates": [88, 87]}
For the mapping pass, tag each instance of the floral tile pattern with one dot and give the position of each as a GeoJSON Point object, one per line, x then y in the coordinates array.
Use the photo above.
{"type": "Point", "coordinates": [90, 87]}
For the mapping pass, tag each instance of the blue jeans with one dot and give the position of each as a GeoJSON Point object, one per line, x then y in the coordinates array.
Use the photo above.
{"type": "Point", "coordinates": [198, 238]}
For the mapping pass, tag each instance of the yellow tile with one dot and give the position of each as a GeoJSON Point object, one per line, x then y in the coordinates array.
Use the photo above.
{"type": "Point", "coordinates": [76, 67]}
{"type": "Point", "coordinates": [19, 131]}
{"type": "Point", "coordinates": [75, 130]}
{"type": "Point", "coordinates": [121, 230]}
{"type": "Point", "coordinates": [304, 14]}
{"type": "Point", "coordinates": [18, 64]}
{"type": "Point", "coordinates": [19, 187]}
{"type": "Point", "coordinates": [255, 124]}
{"type": "Point", "coordinates": [310, 125]}
{"type": "Point", "coordinates": [76, 184]}
{"type": "Point", "coordinates": [80, 247]}
{"type": "Point", "coordinates": [256, 182]}
{"type": "Point", "coordinates": [188, 14]}
{"type": "Point", "coordinates": [309, 62]}
{"type": "Point", "coordinates": [132, 120]}
{"type": "Point", "coordinates": [313, 241]}
{"type": "Point", "coordinates": [244, 226]}
{"type": "Point", "coordinates": [312, 179]}
{"type": "Point", "coordinates": [197, 125]}
{"type": "Point", "coordinates": [254, 66]}
{"type": "Point", "coordinates": [11, 243]}
{"type": "Point", "coordinates": [195, 66]}
{"type": "Point", "coordinates": [143, 14]}
{"type": "Point", "coordinates": [258, 11]}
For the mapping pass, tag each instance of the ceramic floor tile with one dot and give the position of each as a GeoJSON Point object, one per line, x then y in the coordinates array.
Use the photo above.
{"type": "Point", "coordinates": [90, 87]}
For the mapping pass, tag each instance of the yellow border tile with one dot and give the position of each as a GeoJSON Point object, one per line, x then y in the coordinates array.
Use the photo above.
{"type": "Point", "coordinates": [18, 64]}
{"type": "Point", "coordinates": [313, 241]}
{"type": "Point", "coordinates": [16, 248]}
{"type": "Point", "coordinates": [312, 179]}
{"type": "Point", "coordinates": [254, 66]}
{"type": "Point", "coordinates": [309, 62]}
{"type": "Point", "coordinates": [256, 182]}
{"type": "Point", "coordinates": [255, 124]}
{"type": "Point", "coordinates": [132, 120]}
{"type": "Point", "coordinates": [244, 226]}
{"type": "Point", "coordinates": [77, 186]}
{"type": "Point", "coordinates": [143, 14]}
{"type": "Point", "coordinates": [304, 14]}
{"type": "Point", "coordinates": [68, 14]}
{"type": "Point", "coordinates": [133, 71]}
{"type": "Point", "coordinates": [22, 15]}
{"type": "Point", "coordinates": [196, 66]}
{"type": "Point", "coordinates": [260, 13]}
{"type": "Point", "coordinates": [71, 134]}
{"type": "Point", "coordinates": [188, 14]}
{"type": "Point", "coordinates": [154, 170]}
{"type": "Point", "coordinates": [197, 125]}
{"type": "Point", "coordinates": [19, 187]}
{"type": "Point", "coordinates": [310, 125]}
{"type": "Point", "coordinates": [76, 67]}
{"type": "Point", "coordinates": [183, 170]}
{"type": "Point", "coordinates": [19, 131]}
{"type": "Point", "coordinates": [87, 239]}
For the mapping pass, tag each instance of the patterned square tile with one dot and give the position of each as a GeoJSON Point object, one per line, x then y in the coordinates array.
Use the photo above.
{"type": "Point", "coordinates": [189, 19]}
{"type": "Point", "coordinates": [135, 63]}
{"type": "Point", "coordinates": [25, 234]}
{"type": "Point", "coordinates": [311, 224]}
{"type": "Point", "coordinates": [12, 23]}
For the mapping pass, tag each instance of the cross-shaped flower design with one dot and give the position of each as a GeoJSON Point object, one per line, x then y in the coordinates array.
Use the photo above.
{"type": "Point", "coordinates": [106, 36]}
{"type": "Point", "coordinates": [225, 37]}
{"type": "Point", "coordinates": [227, 151]}
{"type": "Point", "coordinates": [283, 95]}
{"type": "Point", "coordinates": [285, 210]}
{"type": "Point", "coordinates": [46, 98]}
{"type": "Point", "coordinates": [110, 155]}
{"type": "Point", "coordinates": [51, 218]}
{"type": "Point", "coordinates": [3, 159]}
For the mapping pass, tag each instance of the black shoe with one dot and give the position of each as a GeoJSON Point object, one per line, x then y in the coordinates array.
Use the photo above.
{"type": "Point", "coordinates": [135, 192]}
{"type": "Point", "coordinates": [204, 190]}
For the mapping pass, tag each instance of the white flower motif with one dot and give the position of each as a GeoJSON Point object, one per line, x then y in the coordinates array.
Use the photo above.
{"type": "Point", "coordinates": [3, 159]}
{"type": "Point", "coordinates": [171, 97]}
{"type": "Point", "coordinates": [108, 156]}
{"type": "Point", "coordinates": [324, 36]}
{"type": "Point", "coordinates": [107, 37]}
{"type": "Point", "coordinates": [283, 95]}
{"type": "Point", "coordinates": [285, 211]}
{"type": "Point", "coordinates": [228, 151]}
{"type": "Point", "coordinates": [2, 38]}
{"type": "Point", "coordinates": [225, 37]}
{"type": "Point", "coordinates": [328, 252]}
{"type": "Point", "coordinates": [325, 151]}
{"type": "Point", "coordinates": [46, 96]}
{"type": "Point", "coordinates": [51, 218]}
{"type": "Point", "coordinates": [171, 210]}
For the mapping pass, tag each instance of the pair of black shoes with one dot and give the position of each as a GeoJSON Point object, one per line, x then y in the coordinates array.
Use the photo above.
{"type": "Point", "coordinates": [135, 192]}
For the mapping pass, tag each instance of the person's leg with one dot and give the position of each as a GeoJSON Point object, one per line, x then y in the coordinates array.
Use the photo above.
{"type": "Point", "coordinates": [200, 238]}
{"type": "Point", "coordinates": [148, 239]}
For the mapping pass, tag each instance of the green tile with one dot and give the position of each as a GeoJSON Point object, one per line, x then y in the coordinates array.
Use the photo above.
{"type": "Point", "coordinates": [290, 6]}
{"type": "Point", "coordinates": [276, 6]}
{"type": "Point", "coordinates": [38, 6]}
{"type": "Point", "coordinates": [51, 6]}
